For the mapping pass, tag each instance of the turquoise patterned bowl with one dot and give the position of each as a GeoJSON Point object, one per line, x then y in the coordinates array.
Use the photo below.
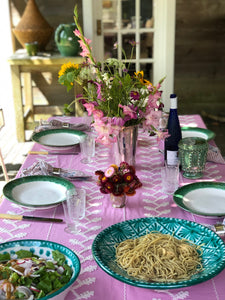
{"type": "Point", "coordinates": [213, 247]}
{"type": "Point", "coordinates": [44, 249]}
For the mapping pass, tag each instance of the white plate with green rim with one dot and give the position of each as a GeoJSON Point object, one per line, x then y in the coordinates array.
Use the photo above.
{"type": "Point", "coordinates": [202, 198]}
{"type": "Point", "coordinates": [38, 191]}
{"type": "Point", "coordinates": [62, 137]}
{"type": "Point", "coordinates": [197, 132]}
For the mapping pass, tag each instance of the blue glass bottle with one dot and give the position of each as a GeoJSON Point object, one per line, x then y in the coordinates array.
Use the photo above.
{"type": "Point", "coordinates": [174, 130]}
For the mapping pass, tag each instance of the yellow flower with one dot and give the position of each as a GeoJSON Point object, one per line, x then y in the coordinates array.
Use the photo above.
{"type": "Point", "coordinates": [115, 167]}
{"type": "Point", "coordinates": [67, 68]}
{"type": "Point", "coordinates": [140, 76]}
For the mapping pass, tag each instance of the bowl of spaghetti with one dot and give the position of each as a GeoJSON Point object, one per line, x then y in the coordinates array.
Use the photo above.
{"type": "Point", "coordinates": [159, 253]}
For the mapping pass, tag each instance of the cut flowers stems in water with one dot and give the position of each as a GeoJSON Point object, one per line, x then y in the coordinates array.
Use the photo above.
{"type": "Point", "coordinates": [111, 94]}
{"type": "Point", "coordinates": [118, 180]}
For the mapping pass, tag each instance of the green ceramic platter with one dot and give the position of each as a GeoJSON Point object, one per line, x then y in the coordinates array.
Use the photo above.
{"type": "Point", "coordinates": [197, 132]}
{"type": "Point", "coordinates": [38, 191]}
{"type": "Point", "coordinates": [63, 137]}
{"type": "Point", "coordinates": [213, 247]}
{"type": "Point", "coordinates": [202, 198]}
{"type": "Point", "coordinates": [44, 249]}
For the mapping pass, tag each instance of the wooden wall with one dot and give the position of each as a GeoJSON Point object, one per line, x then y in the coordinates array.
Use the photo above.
{"type": "Point", "coordinates": [200, 56]}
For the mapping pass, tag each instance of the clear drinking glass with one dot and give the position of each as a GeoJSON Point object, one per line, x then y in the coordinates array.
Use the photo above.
{"type": "Point", "coordinates": [170, 178]}
{"type": "Point", "coordinates": [87, 146]}
{"type": "Point", "coordinates": [74, 209]}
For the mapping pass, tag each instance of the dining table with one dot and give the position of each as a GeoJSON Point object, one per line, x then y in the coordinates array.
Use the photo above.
{"type": "Point", "coordinates": [149, 201]}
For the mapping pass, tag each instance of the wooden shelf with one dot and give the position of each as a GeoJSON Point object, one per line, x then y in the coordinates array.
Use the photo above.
{"type": "Point", "coordinates": [25, 109]}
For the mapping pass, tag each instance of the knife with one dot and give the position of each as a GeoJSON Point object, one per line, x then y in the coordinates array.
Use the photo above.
{"type": "Point", "coordinates": [78, 178]}
{"type": "Point", "coordinates": [21, 218]}
{"type": "Point", "coordinates": [53, 153]}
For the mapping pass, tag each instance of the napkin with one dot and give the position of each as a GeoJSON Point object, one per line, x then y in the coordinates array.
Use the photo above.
{"type": "Point", "coordinates": [214, 155]}
{"type": "Point", "coordinates": [43, 168]}
{"type": "Point", "coordinates": [56, 124]}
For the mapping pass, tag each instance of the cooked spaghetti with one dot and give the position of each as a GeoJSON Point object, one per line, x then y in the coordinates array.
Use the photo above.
{"type": "Point", "coordinates": [159, 257]}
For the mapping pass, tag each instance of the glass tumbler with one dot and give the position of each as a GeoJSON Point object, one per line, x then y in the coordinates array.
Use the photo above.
{"type": "Point", "coordinates": [192, 155]}
{"type": "Point", "coordinates": [170, 178]}
{"type": "Point", "coordinates": [87, 146]}
{"type": "Point", "coordinates": [74, 209]}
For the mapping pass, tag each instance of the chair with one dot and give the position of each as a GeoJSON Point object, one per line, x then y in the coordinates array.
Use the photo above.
{"type": "Point", "coordinates": [2, 123]}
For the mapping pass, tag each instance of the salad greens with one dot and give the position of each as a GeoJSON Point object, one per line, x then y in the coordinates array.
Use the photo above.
{"type": "Point", "coordinates": [32, 277]}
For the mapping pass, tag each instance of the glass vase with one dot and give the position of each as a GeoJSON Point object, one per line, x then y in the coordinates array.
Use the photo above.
{"type": "Point", "coordinates": [118, 201]}
{"type": "Point", "coordinates": [125, 145]}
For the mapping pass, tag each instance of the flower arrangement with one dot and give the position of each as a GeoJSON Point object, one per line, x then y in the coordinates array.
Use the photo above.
{"type": "Point", "coordinates": [118, 180]}
{"type": "Point", "coordinates": [114, 97]}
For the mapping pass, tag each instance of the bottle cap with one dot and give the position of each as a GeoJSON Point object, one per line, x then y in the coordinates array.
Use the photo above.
{"type": "Point", "coordinates": [173, 101]}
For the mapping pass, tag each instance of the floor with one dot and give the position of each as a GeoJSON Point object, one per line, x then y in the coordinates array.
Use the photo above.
{"type": "Point", "coordinates": [13, 153]}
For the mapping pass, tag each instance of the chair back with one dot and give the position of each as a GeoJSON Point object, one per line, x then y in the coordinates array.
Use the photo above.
{"type": "Point", "coordinates": [2, 120]}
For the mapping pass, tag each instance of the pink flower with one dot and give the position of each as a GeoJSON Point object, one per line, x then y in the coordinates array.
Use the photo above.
{"type": "Point", "coordinates": [162, 135]}
{"type": "Point", "coordinates": [99, 87]}
{"type": "Point", "coordinates": [152, 101]}
{"type": "Point", "coordinates": [152, 119]}
{"type": "Point", "coordinates": [118, 121]}
{"type": "Point", "coordinates": [77, 33]}
{"type": "Point", "coordinates": [109, 172]}
{"type": "Point", "coordinates": [97, 114]}
{"type": "Point", "coordinates": [84, 44]}
{"type": "Point", "coordinates": [115, 45]}
{"type": "Point", "coordinates": [85, 51]}
{"type": "Point", "coordinates": [129, 110]}
{"type": "Point", "coordinates": [90, 108]}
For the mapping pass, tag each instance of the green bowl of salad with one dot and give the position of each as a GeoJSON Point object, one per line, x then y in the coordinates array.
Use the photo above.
{"type": "Point", "coordinates": [36, 269]}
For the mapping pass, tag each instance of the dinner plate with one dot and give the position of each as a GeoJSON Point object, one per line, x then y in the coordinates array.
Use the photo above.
{"type": "Point", "coordinates": [202, 198]}
{"type": "Point", "coordinates": [61, 138]}
{"type": "Point", "coordinates": [103, 248]}
{"type": "Point", "coordinates": [38, 191]}
{"type": "Point", "coordinates": [197, 132]}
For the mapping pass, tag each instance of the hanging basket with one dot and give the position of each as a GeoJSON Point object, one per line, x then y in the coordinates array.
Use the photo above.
{"type": "Point", "coordinates": [33, 27]}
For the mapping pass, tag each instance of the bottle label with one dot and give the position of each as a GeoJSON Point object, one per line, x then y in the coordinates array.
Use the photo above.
{"type": "Point", "coordinates": [172, 157]}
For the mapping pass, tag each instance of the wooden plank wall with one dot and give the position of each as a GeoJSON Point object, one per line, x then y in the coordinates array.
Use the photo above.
{"type": "Point", "coordinates": [200, 56]}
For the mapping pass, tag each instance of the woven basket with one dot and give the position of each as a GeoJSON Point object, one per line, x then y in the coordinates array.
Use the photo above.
{"type": "Point", "coordinates": [33, 27]}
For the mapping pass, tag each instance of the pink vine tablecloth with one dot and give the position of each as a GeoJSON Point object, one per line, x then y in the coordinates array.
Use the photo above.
{"type": "Point", "coordinates": [149, 201]}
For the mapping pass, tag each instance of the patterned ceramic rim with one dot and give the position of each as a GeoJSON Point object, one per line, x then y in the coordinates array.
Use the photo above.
{"type": "Point", "coordinates": [180, 193]}
{"type": "Point", "coordinates": [43, 248]}
{"type": "Point", "coordinates": [8, 188]}
{"type": "Point", "coordinates": [203, 133]}
{"type": "Point", "coordinates": [36, 136]}
{"type": "Point", "coordinates": [103, 248]}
